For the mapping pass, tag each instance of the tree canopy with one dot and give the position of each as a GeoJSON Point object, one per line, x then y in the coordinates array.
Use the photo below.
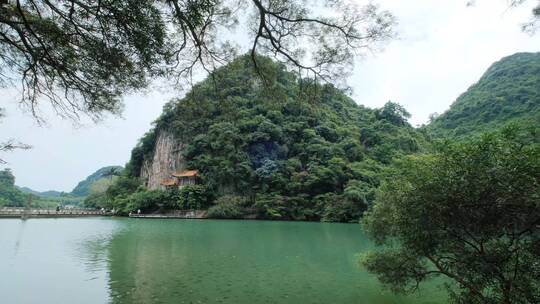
{"type": "Point", "coordinates": [509, 91]}
{"type": "Point", "coordinates": [10, 144]}
{"type": "Point", "coordinates": [9, 194]}
{"type": "Point", "coordinates": [530, 26]}
{"type": "Point", "coordinates": [83, 55]}
{"type": "Point", "coordinates": [468, 212]}
{"type": "Point", "coordinates": [290, 149]}
{"type": "Point", "coordinates": [84, 187]}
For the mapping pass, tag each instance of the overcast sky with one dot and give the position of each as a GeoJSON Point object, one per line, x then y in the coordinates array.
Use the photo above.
{"type": "Point", "coordinates": [442, 49]}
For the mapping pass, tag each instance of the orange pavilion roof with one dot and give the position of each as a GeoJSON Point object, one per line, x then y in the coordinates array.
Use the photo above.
{"type": "Point", "coordinates": [186, 173]}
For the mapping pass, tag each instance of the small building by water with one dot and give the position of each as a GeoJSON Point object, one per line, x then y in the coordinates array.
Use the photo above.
{"type": "Point", "coordinates": [180, 179]}
{"type": "Point", "coordinates": [168, 184]}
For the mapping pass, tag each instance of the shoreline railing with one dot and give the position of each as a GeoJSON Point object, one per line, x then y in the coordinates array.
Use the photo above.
{"type": "Point", "coordinates": [29, 212]}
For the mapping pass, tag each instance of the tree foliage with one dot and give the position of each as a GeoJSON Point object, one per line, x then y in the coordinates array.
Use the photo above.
{"type": "Point", "coordinates": [84, 187]}
{"type": "Point", "coordinates": [117, 195]}
{"type": "Point", "coordinates": [193, 197]}
{"type": "Point", "coordinates": [293, 149]}
{"type": "Point", "coordinates": [530, 26]}
{"type": "Point", "coordinates": [509, 91]}
{"type": "Point", "coordinates": [10, 196]}
{"type": "Point", "coordinates": [469, 212]}
{"type": "Point", "coordinates": [83, 55]}
{"type": "Point", "coordinates": [229, 207]}
{"type": "Point", "coordinates": [10, 144]}
{"type": "Point", "coordinates": [393, 113]}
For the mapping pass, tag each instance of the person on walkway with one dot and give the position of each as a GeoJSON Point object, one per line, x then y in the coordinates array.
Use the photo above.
{"type": "Point", "coordinates": [138, 211]}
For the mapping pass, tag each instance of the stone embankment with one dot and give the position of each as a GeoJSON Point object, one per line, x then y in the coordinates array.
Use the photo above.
{"type": "Point", "coordinates": [177, 214]}
{"type": "Point", "coordinates": [14, 212]}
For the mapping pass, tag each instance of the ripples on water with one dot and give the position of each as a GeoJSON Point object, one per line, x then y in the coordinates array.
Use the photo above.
{"type": "Point", "coordinates": [101, 260]}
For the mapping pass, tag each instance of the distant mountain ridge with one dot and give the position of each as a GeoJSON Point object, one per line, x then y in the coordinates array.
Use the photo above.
{"type": "Point", "coordinates": [509, 91]}
{"type": "Point", "coordinates": [50, 193]}
{"type": "Point", "coordinates": [83, 187]}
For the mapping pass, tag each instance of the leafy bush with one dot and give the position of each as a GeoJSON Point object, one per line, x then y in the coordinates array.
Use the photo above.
{"type": "Point", "coordinates": [193, 197]}
{"type": "Point", "coordinates": [225, 211]}
{"type": "Point", "coordinates": [148, 200]}
{"type": "Point", "coordinates": [343, 210]}
{"type": "Point", "coordinates": [271, 206]}
{"type": "Point", "coordinates": [468, 212]}
{"type": "Point", "coordinates": [228, 206]}
{"type": "Point", "coordinates": [94, 200]}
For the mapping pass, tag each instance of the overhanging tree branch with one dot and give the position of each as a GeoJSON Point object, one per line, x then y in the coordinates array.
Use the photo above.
{"type": "Point", "coordinates": [83, 55]}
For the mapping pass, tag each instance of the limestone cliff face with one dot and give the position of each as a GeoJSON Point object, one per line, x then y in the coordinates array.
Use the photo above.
{"type": "Point", "coordinates": [166, 159]}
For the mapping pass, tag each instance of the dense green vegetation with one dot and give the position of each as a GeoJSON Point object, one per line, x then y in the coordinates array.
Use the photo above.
{"type": "Point", "coordinates": [84, 188]}
{"type": "Point", "coordinates": [13, 196]}
{"type": "Point", "coordinates": [469, 212]}
{"type": "Point", "coordinates": [96, 183]}
{"type": "Point", "coordinates": [508, 92]}
{"type": "Point", "coordinates": [463, 209]}
{"type": "Point", "coordinates": [279, 147]}
{"type": "Point", "coordinates": [93, 54]}
{"type": "Point", "coordinates": [283, 148]}
{"type": "Point", "coordinates": [10, 196]}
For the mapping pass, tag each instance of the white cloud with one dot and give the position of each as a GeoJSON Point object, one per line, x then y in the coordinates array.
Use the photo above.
{"type": "Point", "coordinates": [63, 154]}
{"type": "Point", "coordinates": [443, 48]}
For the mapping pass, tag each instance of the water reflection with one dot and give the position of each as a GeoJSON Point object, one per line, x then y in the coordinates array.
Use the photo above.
{"type": "Point", "coordinates": [185, 261]}
{"type": "Point", "coordinates": [19, 237]}
{"type": "Point", "coordinates": [153, 261]}
{"type": "Point", "coordinates": [42, 261]}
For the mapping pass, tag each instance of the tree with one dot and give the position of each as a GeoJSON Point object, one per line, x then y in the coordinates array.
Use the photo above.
{"type": "Point", "coordinates": [83, 55]}
{"type": "Point", "coordinates": [112, 172]}
{"type": "Point", "coordinates": [394, 113]}
{"type": "Point", "coordinates": [469, 212]}
{"type": "Point", "coordinates": [192, 197]}
{"type": "Point", "coordinates": [9, 194]}
{"type": "Point", "coordinates": [530, 26]}
{"type": "Point", "coordinates": [10, 144]}
{"type": "Point", "coordinates": [7, 177]}
{"type": "Point", "coordinates": [100, 186]}
{"type": "Point", "coordinates": [432, 117]}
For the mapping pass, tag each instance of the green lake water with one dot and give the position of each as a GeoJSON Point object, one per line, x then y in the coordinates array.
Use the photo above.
{"type": "Point", "coordinates": [107, 260]}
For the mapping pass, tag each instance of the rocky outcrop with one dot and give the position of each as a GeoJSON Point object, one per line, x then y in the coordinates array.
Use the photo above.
{"type": "Point", "coordinates": [166, 159]}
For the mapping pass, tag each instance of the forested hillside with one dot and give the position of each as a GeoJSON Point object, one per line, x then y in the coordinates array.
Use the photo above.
{"type": "Point", "coordinates": [83, 187]}
{"type": "Point", "coordinates": [279, 147]}
{"type": "Point", "coordinates": [50, 193]}
{"type": "Point", "coordinates": [509, 91]}
{"type": "Point", "coordinates": [9, 194]}
{"type": "Point", "coordinates": [13, 196]}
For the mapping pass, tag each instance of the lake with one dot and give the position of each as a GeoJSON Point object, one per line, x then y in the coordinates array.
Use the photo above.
{"type": "Point", "coordinates": [122, 260]}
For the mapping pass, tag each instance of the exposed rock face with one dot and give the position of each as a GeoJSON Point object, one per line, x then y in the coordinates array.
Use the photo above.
{"type": "Point", "coordinates": [166, 159]}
